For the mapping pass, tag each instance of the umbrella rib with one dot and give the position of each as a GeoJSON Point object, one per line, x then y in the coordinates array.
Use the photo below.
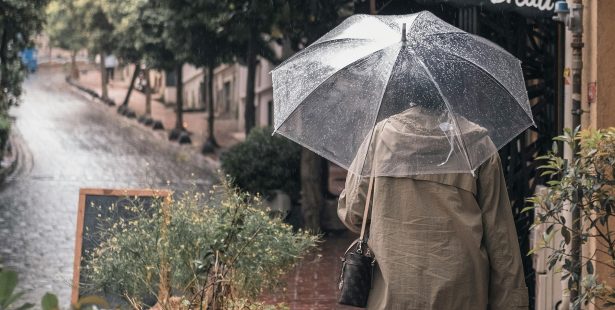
{"type": "Point", "coordinates": [477, 65]}
{"type": "Point", "coordinates": [325, 80]}
{"type": "Point", "coordinates": [490, 76]}
{"type": "Point", "coordinates": [450, 108]}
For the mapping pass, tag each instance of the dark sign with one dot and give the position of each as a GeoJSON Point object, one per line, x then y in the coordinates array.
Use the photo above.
{"type": "Point", "coordinates": [531, 8]}
{"type": "Point", "coordinates": [94, 206]}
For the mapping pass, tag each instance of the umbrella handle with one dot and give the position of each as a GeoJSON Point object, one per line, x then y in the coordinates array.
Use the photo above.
{"type": "Point", "coordinates": [403, 32]}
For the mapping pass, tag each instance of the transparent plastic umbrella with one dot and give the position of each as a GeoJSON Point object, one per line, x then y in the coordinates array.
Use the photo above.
{"type": "Point", "coordinates": [401, 95]}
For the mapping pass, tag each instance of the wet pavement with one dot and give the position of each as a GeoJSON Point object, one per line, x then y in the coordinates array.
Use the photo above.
{"type": "Point", "coordinates": [313, 285]}
{"type": "Point", "coordinates": [65, 143]}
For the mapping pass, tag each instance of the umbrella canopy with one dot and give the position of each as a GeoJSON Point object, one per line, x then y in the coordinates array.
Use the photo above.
{"type": "Point", "coordinates": [401, 95]}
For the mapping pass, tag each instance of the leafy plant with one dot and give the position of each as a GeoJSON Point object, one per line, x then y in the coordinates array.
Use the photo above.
{"type": "Point", "coordinates": [263, 163]}
{"type": "Point", "coordinates": [50, 302]}
{"type": "Point", "coordinates": [584, 184]}
{"type": "Point", "coordinates": [215, 251]}
{"type": "Point", "coordinates": [8, 296]}
{"type": "Point", "coordinates": [21, 21]}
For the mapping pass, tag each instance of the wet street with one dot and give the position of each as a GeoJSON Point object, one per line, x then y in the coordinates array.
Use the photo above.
{"type": "Point", "coordinates": [67, 142]}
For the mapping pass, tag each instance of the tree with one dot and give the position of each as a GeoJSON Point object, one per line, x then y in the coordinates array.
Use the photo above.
{"type": "Point", "coordinates": [100, 35]}
{"type": "Point", "coordinates": [199, 37]}
{"type": "Point", "coordinates": [20, 21]}
{"type": "Point", "coordinates": [158, 26]}
{"type": "Point", "coordinates": [247, 21]}
{"type": "Point", "coordinates": [63, 17]}
{"type": "Point", "coordinates": [123, 15]}
{"type": "Point", "coordinates": [297, 25]}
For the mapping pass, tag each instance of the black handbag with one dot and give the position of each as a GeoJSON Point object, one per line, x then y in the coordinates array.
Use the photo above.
{"type": "Point", "coordinates": [358, 266]}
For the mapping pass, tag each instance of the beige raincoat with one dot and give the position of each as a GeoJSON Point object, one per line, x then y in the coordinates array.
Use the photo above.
{"type": "Point", "coordinates": [442, 241]}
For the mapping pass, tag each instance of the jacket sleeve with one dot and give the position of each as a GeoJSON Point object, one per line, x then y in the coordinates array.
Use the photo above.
{"type": "Point", "coordinates": [351, 203]}
{"type": "Point", "coordinates": [507, 288]}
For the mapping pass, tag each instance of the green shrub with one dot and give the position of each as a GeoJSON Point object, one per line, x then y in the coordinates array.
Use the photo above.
{"type": "Point", "coordinates": [219, 250]}
{"type": "Point", "coordinates": [11, 300]}
{"type": "Point", "coordinates": [263, 163]}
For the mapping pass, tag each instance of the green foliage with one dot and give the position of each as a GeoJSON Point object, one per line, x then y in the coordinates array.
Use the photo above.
{"type": "Point", "coordinates": [263, 163]}
{"type": "Point", "coordinates": [20, 21]}
{"type": "Point", "coordinates": [302, 22]}
{"type": "Point", "coordinates": [50, 302]}
{"type": "Point", "coordinates": [8, 297]}
{"type": "Point", "coordinates": [127, 31]}
{"type": "Point", "coordinates": [97, 26]}
{"type": "Point", "coordinates": [218, 250]}
{"type": "Point", "coordinates": [63, 18]}
{"type": "Point", "coordinates": [585, 184]}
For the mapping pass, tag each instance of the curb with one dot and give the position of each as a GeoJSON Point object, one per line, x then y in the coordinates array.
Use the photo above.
{"type": "Point", "coordinates": [90, 92]}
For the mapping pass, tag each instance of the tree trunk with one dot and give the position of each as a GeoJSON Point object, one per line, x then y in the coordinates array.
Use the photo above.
{"type": "Point", "coordinates": [148, 93]}
{"type": "Point", "coordinates": [312, 198]}
{"type": "Point", "coordinates": [179, 123]}
{"type": "Point", "coordinates": [103, 76]}
{"type": "Point", "coordinates": [211, 138]}
{"type": "Point", "coordinates": [74, 71]}
{"type": "Point", "coordinates": [250, 112]}
{"type": "Point", "coordinates": [132, 84]}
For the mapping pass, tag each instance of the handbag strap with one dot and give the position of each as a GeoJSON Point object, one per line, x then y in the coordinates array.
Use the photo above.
{"type": "Point", "coordinates": [366, 209]}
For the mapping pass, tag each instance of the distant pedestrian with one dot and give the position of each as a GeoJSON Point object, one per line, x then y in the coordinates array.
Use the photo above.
{"type": "Point", "coordinates": [110, 64]}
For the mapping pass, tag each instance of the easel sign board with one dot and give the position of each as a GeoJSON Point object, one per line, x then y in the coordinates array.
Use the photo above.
{"type": "Point", "coordinates": [94, 206]}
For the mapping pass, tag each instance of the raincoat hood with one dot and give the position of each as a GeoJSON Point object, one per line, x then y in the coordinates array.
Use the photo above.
{"type": "Point", "coordinates": [406, 141]}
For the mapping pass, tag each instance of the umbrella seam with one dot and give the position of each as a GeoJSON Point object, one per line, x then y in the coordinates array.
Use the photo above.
{"type": "Point", "coordinates": [415, 19]}
{"type": "Point", "coordinates": [325, 80]}
{"type": "Point", "coordinates": [465, 150]}
{"type": "Point", "coordinates": [490, 76]}
{"type": "Point", "coordinates": [384, 90]}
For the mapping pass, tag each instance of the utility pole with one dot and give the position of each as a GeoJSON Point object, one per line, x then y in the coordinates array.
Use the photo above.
{"type": "Point", "coordinates": [572, 16]}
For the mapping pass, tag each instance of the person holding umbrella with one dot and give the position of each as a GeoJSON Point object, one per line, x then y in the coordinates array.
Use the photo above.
{"type": "Point", "coordinates": [416, 110]}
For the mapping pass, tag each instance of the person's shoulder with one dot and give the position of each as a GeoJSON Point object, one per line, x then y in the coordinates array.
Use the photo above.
{"type": "Point", "coordinates": [492, 162]}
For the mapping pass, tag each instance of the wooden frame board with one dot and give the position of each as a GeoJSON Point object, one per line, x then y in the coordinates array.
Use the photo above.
{"type": "Point", "coordinates": [119, 193]}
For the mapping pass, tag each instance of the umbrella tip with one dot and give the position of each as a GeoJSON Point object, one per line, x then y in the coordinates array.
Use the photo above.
{"type": "Point", "coordinates": [403, 32]}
